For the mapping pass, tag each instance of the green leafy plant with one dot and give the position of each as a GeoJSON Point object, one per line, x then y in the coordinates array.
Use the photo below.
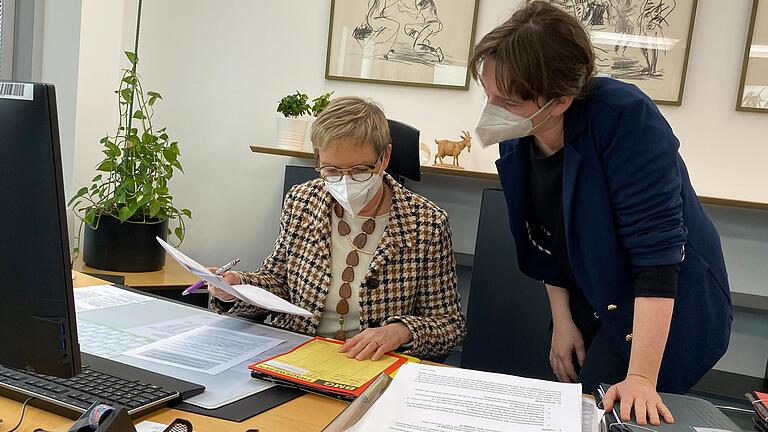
{"type": "Point", "coordinates": [294, 105]}
{"type": "Point", "coordinates": [139, 161]}
{"type": "Point", "coordinates": [320, 103]}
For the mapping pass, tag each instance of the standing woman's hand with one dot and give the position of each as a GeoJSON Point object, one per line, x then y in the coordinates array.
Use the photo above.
{"type": "Point", "coordinates": [566, 339]}
{"type": "Point", "coordinates": [638, 393]}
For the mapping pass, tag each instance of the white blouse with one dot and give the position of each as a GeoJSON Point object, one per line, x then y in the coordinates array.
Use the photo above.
{"type": "Point", "coordinates": [341, 246]}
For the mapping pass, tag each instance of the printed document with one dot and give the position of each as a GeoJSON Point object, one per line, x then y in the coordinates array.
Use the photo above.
{"type": "Point", "coordinates": [247, 293]}
{"type": "Point", "coordinates": [439, 399]}
{"type": "Point", "coordinates": [206, 349]}
{"type": "Point", "coordinates": [105, 296]}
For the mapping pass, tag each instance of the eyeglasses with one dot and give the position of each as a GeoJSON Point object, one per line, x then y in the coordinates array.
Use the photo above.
{"type": "Point", "coordinates": [358, 173]}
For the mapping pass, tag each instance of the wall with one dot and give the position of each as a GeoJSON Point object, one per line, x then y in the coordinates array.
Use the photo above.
{"type": "Point", "coordinates": [221, 67]}
{"type": "Point", "coordinates": [60, 65]}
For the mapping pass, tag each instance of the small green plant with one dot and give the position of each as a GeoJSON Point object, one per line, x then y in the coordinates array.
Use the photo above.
{"type": "Point", "coordinates": [320, 103]}
{"type": "Point", "coordinates": [294, 105]}
{"type": "Point", "coordinates": [139, 162]}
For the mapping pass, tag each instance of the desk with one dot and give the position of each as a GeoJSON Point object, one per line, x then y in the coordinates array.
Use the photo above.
{"type": "Point", "coordinates": [173, 276]}
{"type": "Point", "coordinates": [307, 413]}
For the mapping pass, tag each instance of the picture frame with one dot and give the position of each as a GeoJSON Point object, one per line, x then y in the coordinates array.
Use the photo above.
{"type": "Point", "coordinates": [423, 43]}
{"type": "Point", "coordinates": [753, 85]}
{"type": "Point", "coordinates": [643, 42]}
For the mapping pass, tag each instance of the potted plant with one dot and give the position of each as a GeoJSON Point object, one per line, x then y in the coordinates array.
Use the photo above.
{"type": "Point", "coordinates": [320, 103]}
{"type": "Point", "coordinates": [128, 202]}
{"type": "Point", "coordinates": [292, 130]}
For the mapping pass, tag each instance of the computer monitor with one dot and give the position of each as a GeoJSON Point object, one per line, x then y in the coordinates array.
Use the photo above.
{"type": "Point", "coordinates": [38, 331]}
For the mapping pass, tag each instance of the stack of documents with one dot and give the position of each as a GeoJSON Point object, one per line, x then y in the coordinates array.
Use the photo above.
{"type": "Point", "coordinates": [317, 366]}
{"type": "Point", "coordinates": [439, 399]}
{"type": "Point", "coordinates": [247, 293]}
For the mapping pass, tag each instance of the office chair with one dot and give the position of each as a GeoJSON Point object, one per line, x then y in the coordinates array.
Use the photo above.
{"type": "Point", "coordinates": [404, 161]}
{"type": "Point", "coordinates": [508, 314]}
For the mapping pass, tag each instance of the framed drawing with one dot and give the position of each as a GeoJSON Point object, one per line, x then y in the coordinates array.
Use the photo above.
{"type": "Point", "coordinates": [753, 87]}
{"type": "Point", "coordinates": [407, 42]}
{"type": "Point", "coordinates": [643, 42]}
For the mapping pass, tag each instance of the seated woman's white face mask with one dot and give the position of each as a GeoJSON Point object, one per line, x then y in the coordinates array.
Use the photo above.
{"type": "Point", "coordinates": [353, 187]}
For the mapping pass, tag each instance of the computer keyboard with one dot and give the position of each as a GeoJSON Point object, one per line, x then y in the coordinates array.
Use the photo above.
{"type": "Point", "coordinates": [71, 397]}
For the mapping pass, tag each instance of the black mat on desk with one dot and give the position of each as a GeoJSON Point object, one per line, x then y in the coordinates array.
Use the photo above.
{"type": "Point", "coordinates": [247, 407]}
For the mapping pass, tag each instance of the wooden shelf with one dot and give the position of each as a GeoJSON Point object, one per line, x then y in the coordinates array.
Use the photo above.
{"type": "Point", "coordinates": [495, 177]}
{"type": "Point", "coordinates": [754, 205]}
{"type": "Point", "coordinates": [283, 152]}
{"type": "Point", "coordinates": [424, 169]}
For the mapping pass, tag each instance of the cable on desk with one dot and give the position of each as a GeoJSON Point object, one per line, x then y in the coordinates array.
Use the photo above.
{"type": "Point", "coordinates": [21, 418]}
{"type": "Point", "coordinates": [730, 408]}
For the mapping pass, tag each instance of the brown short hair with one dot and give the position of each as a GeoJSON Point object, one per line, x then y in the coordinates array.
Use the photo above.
{"type": "Point", "coordinates": [351, 120]}
{"type": "Point", "coordinates": [541, 51]}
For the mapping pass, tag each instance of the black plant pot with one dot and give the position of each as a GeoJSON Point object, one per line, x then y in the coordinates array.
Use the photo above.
{"type": "Point", "coordinates": [125, 247]}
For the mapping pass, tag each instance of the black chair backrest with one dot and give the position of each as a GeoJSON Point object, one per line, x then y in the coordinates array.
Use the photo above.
{"type": "Point", "coordinates": [405, 151]}
{"type": "Point", "coordinates": [297, 175]}
{"type": "Point", "coordinates": [508, 314]}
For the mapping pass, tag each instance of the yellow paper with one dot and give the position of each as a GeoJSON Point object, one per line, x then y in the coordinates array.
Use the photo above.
{"type": "Point", "coordinates": [321, 362]}
{"type": "Point", "coordinates": [410, 359]}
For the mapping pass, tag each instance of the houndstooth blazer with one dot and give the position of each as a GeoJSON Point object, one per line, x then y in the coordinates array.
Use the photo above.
{"type": "Point", "coordinates": [412, 278]}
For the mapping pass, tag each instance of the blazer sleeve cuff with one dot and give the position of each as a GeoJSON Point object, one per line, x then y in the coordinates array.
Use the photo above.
{"type": "Point", "coordinates": [658, 257]}
{"type": "Point", "coordinates": [411, 348]}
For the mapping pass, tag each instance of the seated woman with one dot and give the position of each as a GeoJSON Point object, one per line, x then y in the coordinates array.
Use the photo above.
{"type": "Point", "coordinates": [372, 260]}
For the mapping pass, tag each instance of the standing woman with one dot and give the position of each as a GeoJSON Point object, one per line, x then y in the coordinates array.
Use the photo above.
{"type": "Point", "coordinates": [603, 212]}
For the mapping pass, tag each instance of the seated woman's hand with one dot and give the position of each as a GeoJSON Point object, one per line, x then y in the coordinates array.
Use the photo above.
{"type": "Point", "coordinates": [373, 343]}
{"type": "Point", "coordinates": [232, 279]}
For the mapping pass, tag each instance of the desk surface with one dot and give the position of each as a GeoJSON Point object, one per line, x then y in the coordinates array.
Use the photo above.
{"type": "Point", "coordinates": [307, 413]}
{"type": "Point", "coordinates": [171, 276]}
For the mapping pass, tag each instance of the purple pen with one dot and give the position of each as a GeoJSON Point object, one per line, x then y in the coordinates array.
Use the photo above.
{"type": "Point", "coordinates": [225, 268]}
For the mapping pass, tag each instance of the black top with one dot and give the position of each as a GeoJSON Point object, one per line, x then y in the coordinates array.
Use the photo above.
{"type": "Point", "coordinates": [546, 229]}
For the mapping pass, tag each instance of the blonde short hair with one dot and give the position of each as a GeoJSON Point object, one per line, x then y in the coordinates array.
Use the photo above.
{"type": "Point", "coordinates": [351, 120]}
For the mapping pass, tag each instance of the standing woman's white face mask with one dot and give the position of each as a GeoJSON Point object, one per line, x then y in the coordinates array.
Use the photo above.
{"type": "Point", "coordinates": [496, 124]}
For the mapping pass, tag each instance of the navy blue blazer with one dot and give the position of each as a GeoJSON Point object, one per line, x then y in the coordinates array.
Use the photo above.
{"type": "Point", "coordinates": [627, 202]}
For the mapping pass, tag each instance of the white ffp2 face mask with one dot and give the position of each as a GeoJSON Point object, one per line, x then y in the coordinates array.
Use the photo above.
{"type": "Point", "coordinates": [497, 124]}
{"type": "Point", "coordinates": [353, 195]}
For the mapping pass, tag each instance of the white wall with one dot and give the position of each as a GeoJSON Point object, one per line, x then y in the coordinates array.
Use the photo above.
{"type": "Point", "coordinates": [60, 65]}
{"type": "Point", "coordinates": [724, 149]}
{"type": "Point", "coordinates": [222, 66]}
{"type": "Point", "coordinates": [100, 51]}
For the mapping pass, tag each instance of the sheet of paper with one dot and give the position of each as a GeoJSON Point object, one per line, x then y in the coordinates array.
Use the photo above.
{"type": "Point", "coordinates": [148, 426]}
{"type": "Point", "coordinates": [106, 341]}
{"type": "Point", "coordinates": [265, 299]}
{"type": "Point", "coordinates": [706, 429]}
{"type": "Point", "coordinates": [590, 414]}
{"type": "Point", "coordinates": [105, 296]}
{"type": "Point", "coordinates": [206, 349]}
{"type": "Point", "coordinates": [439, 399]}
{"type": "Point", "coordinates": [176, 326]}
{"type": "Point", "coordinates": [248, 293]}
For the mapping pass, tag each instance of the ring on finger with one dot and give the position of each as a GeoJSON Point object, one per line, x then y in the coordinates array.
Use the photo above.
{"type": "Point", "coordinates": [376, 342]}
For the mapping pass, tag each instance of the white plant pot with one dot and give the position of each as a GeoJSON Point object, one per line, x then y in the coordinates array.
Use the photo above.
{"type": "Point", "coordinates": [291, 133]}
